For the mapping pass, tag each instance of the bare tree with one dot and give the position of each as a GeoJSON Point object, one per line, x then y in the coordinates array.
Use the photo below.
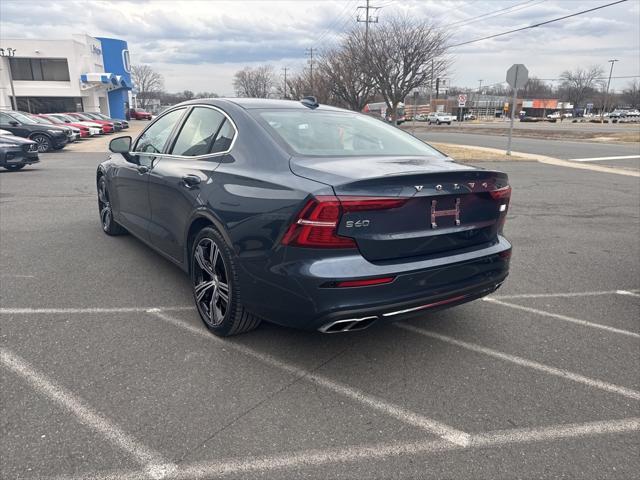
{"type": "Point", "coordinates": [405, 54]}
{"type": "Point", "coordinates": [631, 94]}
{"type": "Point", "coordinates": [580, 83]}
{"type": "Point", "coordinates": [345, 72]}
{"type": "Point", "coordinates": [207, 95]}
{"type": "Point", "coordinates": [148, 82]}
{"type": "Point", "coordinates": [299, 85]}
{"type": "Point", "coordinates": [536, 88]}
{"type": "Point", "coordinates": [254, 82]}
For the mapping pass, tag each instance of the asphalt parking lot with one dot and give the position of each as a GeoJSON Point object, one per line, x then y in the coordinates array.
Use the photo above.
{"type": "Point", "coordinates": [108, 372]}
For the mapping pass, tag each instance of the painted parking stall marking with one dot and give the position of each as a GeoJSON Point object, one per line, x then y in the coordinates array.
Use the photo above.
{"type": "Point", "coordinates": [438, 428]}
{"type": "Point", "coordinates": [565, 318]}
{"type": "Point", "coordinates": [83, 413]}
{"type": "Point", "coordinates": [558, 372]}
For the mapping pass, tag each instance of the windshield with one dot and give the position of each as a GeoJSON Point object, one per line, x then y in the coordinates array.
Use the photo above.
{"type": "Point", "coordinates": [329, 134]}
{"type": "Point", "coordinates": [41, 120]}
{"type": "Point", "coordinates": [23, 118]}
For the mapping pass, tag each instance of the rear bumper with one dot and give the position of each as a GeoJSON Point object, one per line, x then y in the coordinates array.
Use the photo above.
{"type": "Point", "coordinates": [294, 293]}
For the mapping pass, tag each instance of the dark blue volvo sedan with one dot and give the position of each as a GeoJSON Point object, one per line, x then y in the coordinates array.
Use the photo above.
{"type": "Point", "coordinates": [305, 215]}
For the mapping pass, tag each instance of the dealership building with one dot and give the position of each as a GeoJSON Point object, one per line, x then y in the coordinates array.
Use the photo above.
{"type": "Point", "coordinates": [84, 73]}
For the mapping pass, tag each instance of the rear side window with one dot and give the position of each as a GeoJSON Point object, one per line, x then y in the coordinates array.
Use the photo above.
{"type": "Point", "coordinates": [198, 132]}
{"type": "Point", "coordinates": [206, 131]}
{"type": "Point", "coordinates": [155, 137]}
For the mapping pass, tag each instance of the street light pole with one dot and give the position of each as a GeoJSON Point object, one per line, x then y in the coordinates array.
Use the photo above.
{"type": "Point", "coordinates": [606, 93]}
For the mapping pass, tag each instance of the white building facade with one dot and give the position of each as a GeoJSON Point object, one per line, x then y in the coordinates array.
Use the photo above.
{"type": "Point", "coordinates": [62, 76]}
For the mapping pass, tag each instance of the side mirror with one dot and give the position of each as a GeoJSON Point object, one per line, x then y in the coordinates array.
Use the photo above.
{"type": "Point", "coordinates": [120, 145]}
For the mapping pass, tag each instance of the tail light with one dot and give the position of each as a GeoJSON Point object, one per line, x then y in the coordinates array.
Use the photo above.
{"type": "Point", "coordinates": [502, 195]}
{"type": "Point", "coordinates": [317, 223]}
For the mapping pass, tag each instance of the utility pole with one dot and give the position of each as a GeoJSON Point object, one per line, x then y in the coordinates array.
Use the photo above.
{"type": "Point", "coordinates": [480, 86]}
{"type": "Point", "coordinates": [309, 52]}
{"type": "Point", "coordinates": [367, 20]}
{"type": "Point", "coordinates": [285, 82]}
{"type": "Point", "coordinates": [606, 93]}
{"type": "Point", "coordinates": [431, 87]}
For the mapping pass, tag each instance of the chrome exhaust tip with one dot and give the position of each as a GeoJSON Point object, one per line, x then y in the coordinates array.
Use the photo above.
{"type": "Point", "coordinates": [348, 325]}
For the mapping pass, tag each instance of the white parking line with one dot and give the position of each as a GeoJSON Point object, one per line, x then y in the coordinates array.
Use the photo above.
{"type": "Point", "coordinates": [84, 414]}
{"type": "Point", "coordinates": [406, 416]}
{"type": "Point", "coordinates": [597, 159]}
{"type": "Point", "coordinates": [348, 454]}
{"type": "Point", "coordinates": [631, 293]}
{"type": "Point", "coordinates": [563, 295]}
{"type": "Point", "coordinates": [523, 362]}
{"type": "Point", "coordinates": [564, 318]}
{"type": "Point", "coordinates": [17, 311]}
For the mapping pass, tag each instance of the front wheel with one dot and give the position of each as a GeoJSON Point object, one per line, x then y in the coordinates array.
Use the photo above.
{"type": "Point", "coordinates": [14, 168]}
{"type": "Point", "coordinates": [438, 122]}
{"type": "Point", "coordinates": [109, 225]}
{"type": "Point", "coordinates": [43, 141]}
{"type": "Point", "coordinates": [215, 286]}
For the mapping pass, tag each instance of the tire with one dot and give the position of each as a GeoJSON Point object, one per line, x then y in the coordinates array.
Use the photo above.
{"type": "Point", "coordinates": [15, 168]}
{"type": "Point", "coordinates": [109, 225]}
{"type": "Point", "coordinates": [437, 122]}
{"type": "Point", "coordinates": [214, 276]}
{"type": "Point", "coordinates": [43, 141]}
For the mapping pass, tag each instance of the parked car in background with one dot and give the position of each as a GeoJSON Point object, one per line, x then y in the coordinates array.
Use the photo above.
{"type": "Point", "coordinates": [421, 117]}
{"type": "Point", "coordinates": [469, 116]}
{"type": "Point", "coordinates": [109, 127]}
{"type": "Point", "coordinates": [85, 130]}
{"type": "Point", "coordinates": [48, 137]}
{"type": "Point", "coordinates": [118, 124]}
{"type": "Point", "coordinates": [367, 223]}
{"type": "Point", "coordinates": [553, 116]}
{"type": "Point", "coordinates": [440, 117]}
{"type": "Point", "coordinates": [618, 114]}
{"type": "Point", "coordinates": [62, 119]}
{"type": "Point", "coordinates": [73, 133]}
{"type": "Point", "coordinates": [102, 116]}
{"type": "Point", "coordinates": [16, 152]}
{"type": "Point", "coordinates": [633, 113]}
{"type": "Point", "coordinates": [139, 114]}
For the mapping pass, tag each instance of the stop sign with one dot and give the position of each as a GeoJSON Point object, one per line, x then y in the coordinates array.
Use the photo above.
{"type": "Point", "coordinates": [517, 75]}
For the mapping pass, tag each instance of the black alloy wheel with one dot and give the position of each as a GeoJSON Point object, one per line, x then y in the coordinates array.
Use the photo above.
{"type": "Point", "coordinates": [215, 287]}
{"type": "Point", "coordinates": [109, 226]}
{"type": "Point", "coordinates": [43, 141]}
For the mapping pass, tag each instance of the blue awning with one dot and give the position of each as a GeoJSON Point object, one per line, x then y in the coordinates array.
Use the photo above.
{"type": "Point", "coordinates": [106, 79]}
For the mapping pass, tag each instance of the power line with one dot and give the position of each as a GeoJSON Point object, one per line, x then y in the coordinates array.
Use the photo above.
{"type": "Point", "coordinates": [472, 19]}
{"type": "Point", "coordinates": [536, 24]}
{"type": "Point", "coordinates": [339, 18]}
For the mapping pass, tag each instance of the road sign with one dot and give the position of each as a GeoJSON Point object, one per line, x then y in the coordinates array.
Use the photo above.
{"type": "Point", "coordinates": [517, 75]}
{"type": "Point", "coordinates": [462, 100]}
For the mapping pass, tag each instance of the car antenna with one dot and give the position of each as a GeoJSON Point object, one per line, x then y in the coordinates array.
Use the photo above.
{"type": "Point", "coordinates": [310, 102]}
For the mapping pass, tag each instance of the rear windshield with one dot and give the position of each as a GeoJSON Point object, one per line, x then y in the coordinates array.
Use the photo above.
{"type": "Point", "coordinates": [331, 134]}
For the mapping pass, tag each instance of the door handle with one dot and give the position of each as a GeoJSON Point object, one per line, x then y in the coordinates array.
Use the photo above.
{"type": "Point", "coordinates": [191, 181]}
{"type": "Point", "coordinates": [143, 169]}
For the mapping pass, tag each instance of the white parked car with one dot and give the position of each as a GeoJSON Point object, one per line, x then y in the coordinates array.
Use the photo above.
{"type": "Point", "coordinates": [440, 117]}
{"type": "Point", "coordinates": [5, 132]}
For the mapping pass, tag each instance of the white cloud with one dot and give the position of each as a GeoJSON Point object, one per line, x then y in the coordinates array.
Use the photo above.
{"type": "Point", "coordinates": [198, 45]}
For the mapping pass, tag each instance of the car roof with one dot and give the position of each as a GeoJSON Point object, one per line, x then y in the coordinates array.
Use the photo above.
{"type": "Point", "coordinates": [266, 103]}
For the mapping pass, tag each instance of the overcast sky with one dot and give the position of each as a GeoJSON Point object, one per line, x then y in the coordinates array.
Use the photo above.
{"type": "Point", "coordinates": [198, 45]}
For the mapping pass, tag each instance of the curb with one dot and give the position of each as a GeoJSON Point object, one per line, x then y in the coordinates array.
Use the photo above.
{"type": "Point", "coordinates": [552, 160]}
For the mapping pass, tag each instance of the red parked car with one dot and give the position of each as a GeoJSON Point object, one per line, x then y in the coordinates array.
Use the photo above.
{"type": "Point", "coordinates": [139, 114]}
{"type": "Point", "coordinates": [84, 130]}
{"type": "Point", "coordinates": [107, 126]}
